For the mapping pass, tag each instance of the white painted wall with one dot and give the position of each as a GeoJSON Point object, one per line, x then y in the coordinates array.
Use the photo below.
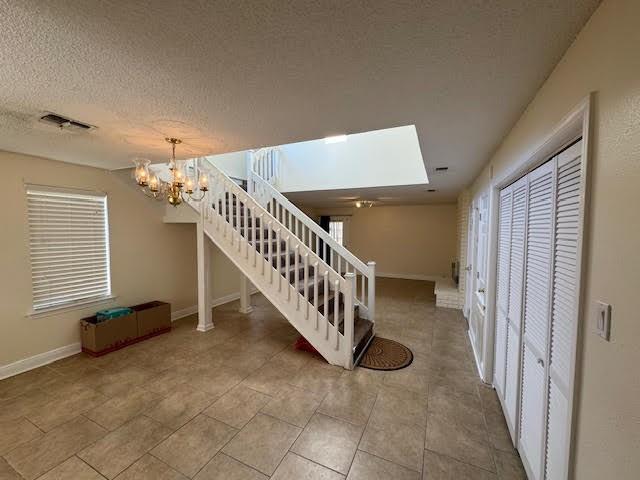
{"type": "Point", "coordinates": [372, 159]}
{"type": "Point", "coordinates": [233, 164]}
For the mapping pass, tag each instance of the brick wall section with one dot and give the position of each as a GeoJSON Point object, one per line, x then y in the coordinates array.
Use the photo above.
{"type": "Point", "coordinates": [447, 294]}
{"type": "Point", "coordinates": [464, 200]}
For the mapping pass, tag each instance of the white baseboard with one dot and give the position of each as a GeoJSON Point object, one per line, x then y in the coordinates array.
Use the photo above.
{"type": "Point", "coordinates": [215, 302]}
{"type": "Point", "coordinates": [185, 312]}
{"type": "Point", "coordinates": [39, 360]}
{"type": "Point", "coordinates": [410, 276]}
{"type": "Point", "coordinates": [51, 356]}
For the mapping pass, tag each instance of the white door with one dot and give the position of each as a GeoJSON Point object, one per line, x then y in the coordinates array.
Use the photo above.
{"type": "Point", "coordinates": [536, 316]}
{"type": "Point", "coordinates": [537, 294]}
{"type": "Point", "coordinates": [564, 309]}
{"type": "Point", "coordinates": [478, 285]}
{"type": "Point", "coordinates": [514, 310]}
{"type": "Point", "coordinates": [502, 290]}
{"type": "Point", "coordinates": [469, 266]}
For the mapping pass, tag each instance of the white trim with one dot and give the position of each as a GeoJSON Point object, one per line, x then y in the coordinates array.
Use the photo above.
{"type": "Point", "coordinates": [576, 124]}
{"type": "Point", "coordinates": [185, 312]}
{"type": "Point", "coordinates": [412, 276]}
{"type": "Point", "coordinates": [216, 302]}
{"type": "Point", "coordinates": [477, 360]}
{"type": "Point", "coordinates": [39, 360]}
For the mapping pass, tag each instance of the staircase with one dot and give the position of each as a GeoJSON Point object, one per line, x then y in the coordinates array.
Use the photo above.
{"type": "Point", "coordinates": [322, 289]}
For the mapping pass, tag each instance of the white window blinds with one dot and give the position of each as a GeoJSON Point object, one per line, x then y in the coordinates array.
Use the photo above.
{"type": "Point", "coordinates": [336, 230]}
{"type": "Point", "coordinates": [69, 247]}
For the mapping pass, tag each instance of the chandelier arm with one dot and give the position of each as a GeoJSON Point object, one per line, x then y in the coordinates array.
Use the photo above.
{"type": "Point", "coordinates": [198, 199]}
{"type": "Point", "coordinates": [149, 193]}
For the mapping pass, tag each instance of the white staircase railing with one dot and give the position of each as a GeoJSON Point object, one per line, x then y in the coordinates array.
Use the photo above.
{"type": "Point", "coordinates": [263, 173]}
{"type": "Point", "coordinates": [316, 299]}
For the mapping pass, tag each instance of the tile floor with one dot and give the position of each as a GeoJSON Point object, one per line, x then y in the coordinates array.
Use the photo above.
{"type": "Point", "coordinates": [238, 403]}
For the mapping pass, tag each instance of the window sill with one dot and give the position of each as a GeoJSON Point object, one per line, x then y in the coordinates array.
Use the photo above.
{"type": "Point", "coordinates": [58, 309]}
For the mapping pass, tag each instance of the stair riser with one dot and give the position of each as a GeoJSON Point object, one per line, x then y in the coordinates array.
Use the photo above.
{"type": "Point", "coordinates": [245, 225]}
{"type": "Point", "coordinates": [292, 274]}
{"type": "Point", "coordinates": [241, 222]}
{"type": "Point", "coordinates": [282, 261]}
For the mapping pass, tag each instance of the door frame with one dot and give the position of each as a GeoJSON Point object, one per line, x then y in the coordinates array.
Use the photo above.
{"type": "Point", "coordinates": [476, 306]}
{"type": "Point", "coordinates": [468, 269]}
{"type": "Point", "coordinates": [578, 123]}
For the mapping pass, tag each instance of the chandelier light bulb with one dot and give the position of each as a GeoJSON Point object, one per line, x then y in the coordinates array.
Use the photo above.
{"type": "Point", "coordinates": [178, 177]}
{"type": "Point", "coordinates": [154, 183]}
{"type": "Point", "coordinates": [203, 182]}
{"type": "Point", "coordinates": [141, 172]}
{"type": "Point", "coordinates": [188, 185]}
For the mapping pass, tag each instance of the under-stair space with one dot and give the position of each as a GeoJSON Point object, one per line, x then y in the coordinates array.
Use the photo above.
{"type": "Point", "coordinates": [292, 268]}
{"type": "Point", "coordinates": [322, 289]}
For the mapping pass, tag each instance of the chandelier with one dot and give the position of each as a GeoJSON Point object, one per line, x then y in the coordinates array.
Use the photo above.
{"type": "Point", "coordinates": [364, 204]}
{"type": "Point", "coordinates": [180, 182]}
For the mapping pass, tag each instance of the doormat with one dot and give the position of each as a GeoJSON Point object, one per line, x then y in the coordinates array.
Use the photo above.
{"type": "Point", "coordinates": [385, 354]}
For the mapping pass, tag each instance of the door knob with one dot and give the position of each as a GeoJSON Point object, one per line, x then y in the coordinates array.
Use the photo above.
{"type": "Point", "coordinates": [481, 290]}
{"type": "Point", "coordinates": [541, 362]}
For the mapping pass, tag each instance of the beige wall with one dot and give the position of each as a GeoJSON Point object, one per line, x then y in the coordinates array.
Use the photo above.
{"type": "Point", "coordinates": [149, 259]}
{"type": "Point", "coordinates": [405, 240]}
{"type": "Point", "coordinates": [225, 277]}
{"type": "Point", "coordinates": [605, 59]}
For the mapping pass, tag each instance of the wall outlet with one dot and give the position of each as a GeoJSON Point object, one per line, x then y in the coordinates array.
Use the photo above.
{"type": "Point", "coordinates": [603, 320]}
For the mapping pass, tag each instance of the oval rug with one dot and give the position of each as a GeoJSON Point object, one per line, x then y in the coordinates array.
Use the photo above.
{"type": "Point", "coordinates": [385, 354]}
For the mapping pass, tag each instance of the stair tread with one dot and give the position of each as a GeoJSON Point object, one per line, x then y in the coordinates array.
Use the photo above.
{"type": "Point", "coordinates": [256, 231]}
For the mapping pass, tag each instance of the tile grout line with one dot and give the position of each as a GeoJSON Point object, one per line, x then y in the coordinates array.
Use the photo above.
{"type": "Point", "coordinates": [91, 466]}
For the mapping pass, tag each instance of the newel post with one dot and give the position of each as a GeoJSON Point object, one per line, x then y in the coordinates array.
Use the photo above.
{"type": "Point", "coordinates": [249, 165]}
{"type": "Point", "coordinates": [371, 292]}
{"type": "Point", "coordinates": [349, 300]}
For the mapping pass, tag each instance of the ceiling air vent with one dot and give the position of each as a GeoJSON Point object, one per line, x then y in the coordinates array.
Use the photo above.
{"type": "Point", "coordinates": [441, 169]}
{"type": "Point", "coordinates": [65, 123]}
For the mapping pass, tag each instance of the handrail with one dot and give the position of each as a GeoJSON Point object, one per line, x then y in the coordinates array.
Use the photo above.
{"type": "Point", "coordinates": [238, 191]}
{"type": "Point", "coordinates": [254, 248]}
{"type": "Point", "coordinates": [262, 174]}
{"type": "Point", "coordinates": [313, 226]}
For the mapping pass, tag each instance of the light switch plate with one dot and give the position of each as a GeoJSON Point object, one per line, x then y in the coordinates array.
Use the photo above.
{"type": "Point", "coordinates": [603, 320]}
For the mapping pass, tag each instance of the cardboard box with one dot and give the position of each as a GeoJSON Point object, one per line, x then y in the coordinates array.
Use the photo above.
{"type": "Point", "coordinates": [153, 318]}
{"type": "Point", "coordinates": [104, 337]}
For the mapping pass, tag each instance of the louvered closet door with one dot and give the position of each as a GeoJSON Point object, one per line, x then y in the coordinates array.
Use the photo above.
{"type": "Point", "coordinates": [514, 316]}
{"type": "Point", "coordinates": [536, 316]}
{"type": "Point", "coordinates": [564, 309]}
{"type": "Point", "coordinates": [502, 291]}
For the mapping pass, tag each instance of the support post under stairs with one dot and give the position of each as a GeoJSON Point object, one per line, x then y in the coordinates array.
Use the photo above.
{"type": "Point", "coordinates": [205, 321]}
{"type": "Point", "coordinates": [245, 295]}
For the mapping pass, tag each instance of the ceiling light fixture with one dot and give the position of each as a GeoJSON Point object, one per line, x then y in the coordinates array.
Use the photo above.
{"type": "Point", "coordinates": [335, 139]}
{"type": "Point", "coordinates": [364, 204]}
{"type": "Point", "coordinates": [179, 185]}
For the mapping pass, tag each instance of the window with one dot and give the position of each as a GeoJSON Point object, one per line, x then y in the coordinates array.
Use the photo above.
{"type": "Point", "coordinates": [69, 247]}
{"type": "Point", "coordinates": [336, 230]}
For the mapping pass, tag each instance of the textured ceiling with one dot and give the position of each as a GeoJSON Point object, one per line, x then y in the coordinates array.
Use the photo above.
{"type": "Point", "coordinates": [395, 195]}
{"type": "Point", "coordinates": [229, 76]}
